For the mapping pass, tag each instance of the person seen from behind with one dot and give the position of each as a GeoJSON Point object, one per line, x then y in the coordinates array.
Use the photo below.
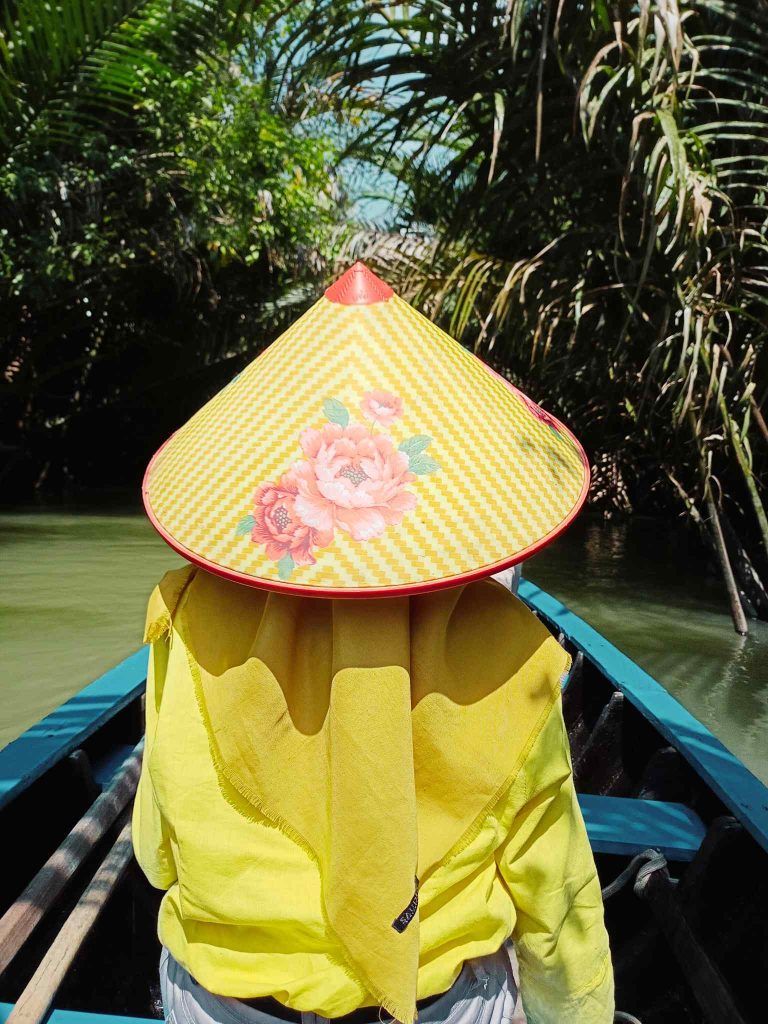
{"type": "Point", "coordinates": [357, 790]}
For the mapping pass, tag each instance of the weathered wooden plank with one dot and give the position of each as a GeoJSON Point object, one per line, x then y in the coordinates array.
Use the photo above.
{"type": "Point", "coordinates": [599, 764]}
{"type": "Point", "coordinates": [39, 897]}
{"type": "Point", "coordinates": [624, 826]}
{"type": "Point", "coordinates": [66, 728]}
{"type": "Point", "coordinates": [37, 998]}
{"type": "Point", "coordinates": [744, 795]}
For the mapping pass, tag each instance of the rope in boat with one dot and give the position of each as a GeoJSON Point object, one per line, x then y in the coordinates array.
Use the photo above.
{"type": "Point", "coordinates": [639, 869]}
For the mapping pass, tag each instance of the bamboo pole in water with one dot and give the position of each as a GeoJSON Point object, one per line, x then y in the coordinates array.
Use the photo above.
{"type": "Point", "coordinates": [39, 897]}
{"type": "Point", "coordinates": [737, 611]}
{"type": "Point", "coordinates": [36, 1000]}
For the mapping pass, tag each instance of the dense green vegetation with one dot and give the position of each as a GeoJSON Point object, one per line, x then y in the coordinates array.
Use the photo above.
{"type": "Point", "coordinates": [583, 198]}
{"type": "Point", "coordinates": [578, 191]}
{"type": "Point", "coordinates": [163, 209]}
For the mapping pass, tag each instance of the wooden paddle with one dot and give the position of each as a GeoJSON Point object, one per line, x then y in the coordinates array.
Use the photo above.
{"type": "Point", "coordinates": [39, 897]}
{"type": "Point", "coordinates": [37, 998]}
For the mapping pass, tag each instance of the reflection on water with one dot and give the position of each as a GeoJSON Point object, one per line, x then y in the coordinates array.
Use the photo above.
{"type": "Point", "coordinates": [75, 588]}
{"type": "Point", "coordinates": [649, 593]}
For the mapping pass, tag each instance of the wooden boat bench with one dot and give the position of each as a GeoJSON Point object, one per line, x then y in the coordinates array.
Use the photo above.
{"type": "Point", "coordinates": [626, 826]}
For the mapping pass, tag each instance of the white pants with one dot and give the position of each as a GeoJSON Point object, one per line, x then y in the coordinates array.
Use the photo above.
{"type": "Point", "coordinates": [484, 993]}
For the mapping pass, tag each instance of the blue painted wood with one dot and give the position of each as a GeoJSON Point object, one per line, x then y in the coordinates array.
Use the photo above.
{"type": "Point", "coordinates": [79, 1017]}
{"type": "Point", "coordinates": [61, 732]}
{"type": "Point", "coordinates": [742, 793]}
{"type": "Point", "coordinates": [625, 826]}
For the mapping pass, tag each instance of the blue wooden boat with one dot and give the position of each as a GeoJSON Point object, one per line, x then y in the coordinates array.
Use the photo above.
{"type": "Point", "coordinates": [678, 824]}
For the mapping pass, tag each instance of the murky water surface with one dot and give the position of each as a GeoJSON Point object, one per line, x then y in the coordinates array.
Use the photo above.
{"type": "Point", "coordinates": [75, 583]}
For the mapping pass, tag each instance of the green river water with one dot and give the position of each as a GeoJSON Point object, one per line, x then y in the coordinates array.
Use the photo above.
{"type": "Point", "coordinates": [75, 584]}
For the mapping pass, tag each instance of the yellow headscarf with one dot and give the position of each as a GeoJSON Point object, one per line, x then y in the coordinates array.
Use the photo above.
{"type": "Point", "coordinates": [378, 734]}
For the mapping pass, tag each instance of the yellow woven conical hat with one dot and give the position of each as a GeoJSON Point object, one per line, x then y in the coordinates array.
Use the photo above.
{"type": "Point", "coordinates": [365, 453]}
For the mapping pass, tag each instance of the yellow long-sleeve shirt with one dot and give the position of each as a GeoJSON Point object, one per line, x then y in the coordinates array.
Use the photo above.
{"type": "Point", "coordinates": [244, 912]}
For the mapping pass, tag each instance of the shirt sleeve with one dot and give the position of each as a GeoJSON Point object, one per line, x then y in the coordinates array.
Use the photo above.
{"type": "Point", "coordinates": [547, 864]}
{"type": "Point", "coordinates": [151, 835]}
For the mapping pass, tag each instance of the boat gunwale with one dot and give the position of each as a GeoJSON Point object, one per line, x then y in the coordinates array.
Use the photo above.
{"type": "Point", "coordinates": [24, 760]}
{"type": "Point", "coordinates": [727, 776]}
{"type": "Point", "coordinates": [44, 744]}
{"type": "Point", "coordinates": [57, 1016]}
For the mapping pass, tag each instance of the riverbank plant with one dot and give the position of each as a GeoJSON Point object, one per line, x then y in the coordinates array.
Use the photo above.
{"type": "Point", "coordinates": [163, 211]}
{"type": "Point", "coordinates": [579, 194]}
{"type": "Point", "coordinates": [583, 200]}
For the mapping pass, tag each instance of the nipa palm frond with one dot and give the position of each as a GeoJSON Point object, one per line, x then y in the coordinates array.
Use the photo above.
{"type": "Point", "coordinates": [595, 182]}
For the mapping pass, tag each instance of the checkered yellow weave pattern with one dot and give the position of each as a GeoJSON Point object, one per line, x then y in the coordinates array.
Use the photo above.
{"type": "Point", "coordinates": [507, 476]}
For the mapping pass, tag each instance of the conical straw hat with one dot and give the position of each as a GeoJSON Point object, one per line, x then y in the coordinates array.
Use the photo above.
{"type": "Point", "coordinates": [365, 453]}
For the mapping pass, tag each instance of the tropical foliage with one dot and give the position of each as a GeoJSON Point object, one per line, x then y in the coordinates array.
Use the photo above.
{"type": "Point", "coordinates": [585, 203]}
{"type": "Point", "coordinates": [162, 208]}
{"type": "Point", "coordinates": [580, 195]}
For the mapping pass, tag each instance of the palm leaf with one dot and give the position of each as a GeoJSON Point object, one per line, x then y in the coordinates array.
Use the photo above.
{"type": "Point", "coordinates": [79, 60]}
{"type": "Point", "coordinates": [618, 269]}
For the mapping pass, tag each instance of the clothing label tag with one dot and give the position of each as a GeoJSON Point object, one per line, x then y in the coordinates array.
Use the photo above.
{"type": "Point", "coordinates": [401, 923]}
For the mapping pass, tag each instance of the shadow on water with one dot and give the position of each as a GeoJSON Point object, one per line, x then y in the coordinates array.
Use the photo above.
{"type": "Point", "coordinates": [75, 586]}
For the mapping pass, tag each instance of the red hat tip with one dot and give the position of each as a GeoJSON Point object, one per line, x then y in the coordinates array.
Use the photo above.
{"type": "Point", "coordinates": [358, 286]}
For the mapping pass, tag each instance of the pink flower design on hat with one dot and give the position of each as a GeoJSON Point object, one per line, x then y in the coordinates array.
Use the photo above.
{"type": "Point", "coordinates": [277, 524]}
{"type": "Point", "coordinates": [381, 406]}
{"type": "Point", "coordinates": [352, 479]}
